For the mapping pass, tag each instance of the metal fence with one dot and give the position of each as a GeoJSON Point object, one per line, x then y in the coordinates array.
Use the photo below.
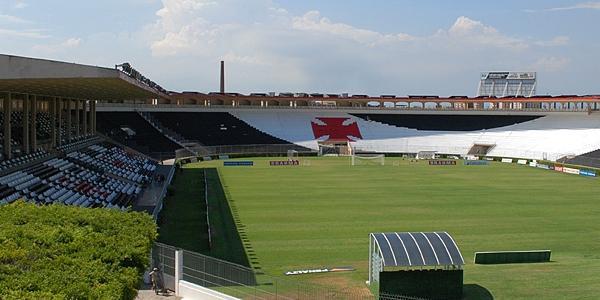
{"type": "Point", "coordinates": [102, 106]}
{"type": "Point", "coordinates": [245, 283]}
{"type": "Point", "coordinates": [163, 257]}
{"type": "Point", "coordinates": [363, 147]}
{"type": "Point", "coordinates": [207, 208]}
{"type": "Point", "coordinates": [163, 194]}
{"type": "Point", "coordinates": [254, 149]}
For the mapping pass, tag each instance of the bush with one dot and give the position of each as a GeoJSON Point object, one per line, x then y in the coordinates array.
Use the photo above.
{"type": "Point", "coordinates": [65, 252]}
{"type": "Point", "coordinates": [170, 190]}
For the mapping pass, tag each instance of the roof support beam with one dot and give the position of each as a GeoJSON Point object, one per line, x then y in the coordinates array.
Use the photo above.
{"type": "Point", "coordinates": [59, 116]}
{"type": "Point", "coordinates": [69, 125]}
{"type": "Point", "coordinates": [25, 123]}
{"type": "Point", "coordinates": [7, 132]}
{"type": "Point", "coordinates": [32, 127]}
{"type": "Point", "coordinates": [93, 116]}
{"type": "Point", "coordinates": [52, 108]}
{"type": "Point", "coordinates": [84, 122]}
{"type": "Point", "coordinates": [77, 112]}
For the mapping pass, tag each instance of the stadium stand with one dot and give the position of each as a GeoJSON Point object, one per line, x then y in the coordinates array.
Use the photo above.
{"type": "Point", "coordinates": [130, 129]}
{"type": "Point", "coordinates": [534, 139]}
{"type": "Point", "coordinates": [100, 175]}
{"type": "Point", "coordinates": [214, 128]}
{"type": "Point", "coordinates": [589, 159]}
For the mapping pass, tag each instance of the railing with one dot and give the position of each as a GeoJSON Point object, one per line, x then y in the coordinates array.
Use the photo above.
{"type": "Point", "coordinates": [207, 209]}
{"type": "Point", "coordinates": [258, 149]}
{"type": "Point", "coordinates": [368, 147]}
{"type": "Point", "coordinates": [168, 133]}
{"type": "Point", "coordinates": [325, 107]}
{"type": "Point", "coordinates": [163, 194]}
{"type": "Point", "coordinates": [246, 283]}
{"type": "Point", "coordinates": [163, 257]}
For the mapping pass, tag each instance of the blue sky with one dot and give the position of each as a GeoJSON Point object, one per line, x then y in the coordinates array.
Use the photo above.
{"type": "Point", "coordinates": [374, 47]}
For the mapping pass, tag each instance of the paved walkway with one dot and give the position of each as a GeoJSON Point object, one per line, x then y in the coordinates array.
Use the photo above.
{"type": "Point", "coordinates": [150, 196]}
{"type": "Point", "coordinates": [146, 293]}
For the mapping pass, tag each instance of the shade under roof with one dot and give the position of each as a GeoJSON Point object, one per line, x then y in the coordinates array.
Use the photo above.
{"type": "Point", "coordinates": [62, 79]}
{"type": "Point", "coordinates": [417, 249]}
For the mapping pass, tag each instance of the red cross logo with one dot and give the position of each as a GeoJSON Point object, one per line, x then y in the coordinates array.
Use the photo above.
{"type": "Point", "coordinates": [337, 129]}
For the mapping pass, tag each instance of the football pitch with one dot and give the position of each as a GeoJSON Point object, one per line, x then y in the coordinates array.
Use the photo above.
{"type": "Point", "coordinates": [320, 215]}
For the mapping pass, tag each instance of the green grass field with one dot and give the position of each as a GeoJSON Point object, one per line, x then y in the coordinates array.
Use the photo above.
{"type": "Point", "coordinates": [320, 215]}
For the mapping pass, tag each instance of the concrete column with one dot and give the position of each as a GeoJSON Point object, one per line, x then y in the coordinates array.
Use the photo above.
{"type": "Point", "coordinates": [58, 124]}
{"type": "Point", "coordinates": [32, 127]}
{"type": "Point", "coordinates": [52, 109]}
{"type": "Point", "coordinates": [84, 122]}
{"type": "Point", "coordinates": [7, 136]}
{"type": "Point", "coordinates": [25, 123]}
{"type": "Point", "coordinates": [93, 114]}
{"type": "Point", "coordinates": [69, 125]}
{"type": "Point", "coordinates": [90, 118]}
{"type": "Point", "coordinates": [77, 112]}
{"type": "Point", "coordinates": [178, 269]}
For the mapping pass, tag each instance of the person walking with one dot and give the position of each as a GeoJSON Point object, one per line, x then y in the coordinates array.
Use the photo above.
{"type": "Point", "coordinates": [157, 281]}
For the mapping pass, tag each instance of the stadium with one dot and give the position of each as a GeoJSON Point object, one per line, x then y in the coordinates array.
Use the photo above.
{"type": "Point", "coordinates": [278, 149]}
{"type": "Point", "coordinates": [306, 196]}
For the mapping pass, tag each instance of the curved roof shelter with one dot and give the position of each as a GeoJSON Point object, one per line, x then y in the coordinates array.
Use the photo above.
{"type": "Point", "coordinates": [61, 79]}
{"type": "Point", "coordinates": [417, 250]}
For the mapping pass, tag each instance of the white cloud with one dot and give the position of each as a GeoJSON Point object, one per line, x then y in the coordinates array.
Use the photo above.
{"type": "Point", "coordinates": [72, 42]}
{"type": "Point", "coordinates": [550, 64]}
{"type": "Point", "coordinates": [13, 19]}
{"type": "Point", "coordinates": [475, 32]}
{"type": "Point", "coordinates": [26, 33]}
{"type": "Point", "coordinates": [584, 5]}
{"type": "Point", "coordinates": [555, 42]}
{"type": "Point", "coordinates": [56, 48]}
{"type": "Point", "coordinates": [20, 4]}
{"type": "Point", "coordinates": [244, 59]}
{"type": "Point", "coordinates": [267, 48]}
{"type": "Point", "coordinates": [183, 28]}
{"type": "Point", "coordinates": [313, 22]}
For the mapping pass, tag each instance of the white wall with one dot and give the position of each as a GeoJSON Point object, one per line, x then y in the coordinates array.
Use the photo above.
{"type": "Point", "coordinates": [548, 137]}
{"type": "Point", "coordinates": [188, 291]}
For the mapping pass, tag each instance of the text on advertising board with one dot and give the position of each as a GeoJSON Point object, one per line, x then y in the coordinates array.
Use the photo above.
{"type": "Point", "coordinates": [439, 162]}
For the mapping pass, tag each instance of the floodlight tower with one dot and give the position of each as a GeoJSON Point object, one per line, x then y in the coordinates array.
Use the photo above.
{"type": "Point", "coordinates": [507, 84]}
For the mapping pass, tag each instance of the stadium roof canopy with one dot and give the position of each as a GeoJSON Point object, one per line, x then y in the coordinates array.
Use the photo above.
{"type": "Point", "coordinates": [417, 249]}
{"type": "Point", "coordinates": [61, 79]}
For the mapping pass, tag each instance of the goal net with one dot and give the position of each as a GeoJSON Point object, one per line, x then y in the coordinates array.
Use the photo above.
{"type": "Point", "coordinates": [292, 155]}
{"type": "Point", "coordinates": [426, 155]}
{"type": "Point", "coordinates": [368, 159]}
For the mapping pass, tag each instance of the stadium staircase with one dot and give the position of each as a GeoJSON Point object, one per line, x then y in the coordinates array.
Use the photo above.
{"type": "Point", "coordinates": [215, 128]}
{"type": "Point", "coordinates": [589, 159]}
{"type": "Point", "coordinates": [193, 147]}
{"type": "Point", "coordinates": [131, 130]}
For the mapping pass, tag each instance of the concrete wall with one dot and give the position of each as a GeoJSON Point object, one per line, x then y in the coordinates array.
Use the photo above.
{"type": "Point", "coordinates": [17, 67]}
{"type": "Point", "coordinates": [189, 290]}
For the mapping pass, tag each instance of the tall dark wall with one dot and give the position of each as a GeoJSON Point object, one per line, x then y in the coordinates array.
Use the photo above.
{"type": "Point", "coordinates": [447, 122]}
{"type": "Point", "coordinates": [430, 284]}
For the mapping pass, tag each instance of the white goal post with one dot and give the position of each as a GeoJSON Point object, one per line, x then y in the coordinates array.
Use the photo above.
{"type": "Point", "coordinates": [368, 159]}
{"type": "Point", "coordinates": [292, 154]}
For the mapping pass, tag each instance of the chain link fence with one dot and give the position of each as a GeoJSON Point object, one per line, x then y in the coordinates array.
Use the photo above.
{"type": "Point", "coordinates": [368, 147]}
{"type": "Point", "coordinates": [245, 283]}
